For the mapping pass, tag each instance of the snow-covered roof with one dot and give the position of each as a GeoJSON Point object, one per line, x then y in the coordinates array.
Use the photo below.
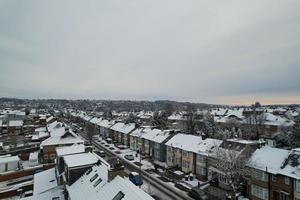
{"type": "Point", "coordinates": [84, 188]}
{"type": "Point", "coordinates": [44, 181]}
{"type": "Point", "coordinates": [123, 128]}
{"type": "Point", "coordinates": [40, 129]}
{"type": "Point", "coordinates": [54, 125]}
{"type": "Point", "coordinates": [122, 186]}
{"type": "Point", "coordinates": [219, 112]}
{"type": "Point", "coordinates": [291, 166]}
{"type": "Point", "coordinates": [49, 119]}
{"type": "Point", "coordinates": [13, 123]}
{"type": "Point", "coordinates": [235, 112]}
{"type": "Point", "coordinates": [175, 116]}
{"type": "Point", "coordinates": [241, 141]}
{"type": "Point", "coordinates": [75, 148]}
{"type": "Point", "coordinates": [9, 159]}
{"type": "Point", "coordinates": [33, 155]}
{"type": "Point", "coordinates": [268, 159]}
{"type": "Point", "coordinates": [80, 159]}
{"type": "Point", "coordinates": [96, 120]}
{"type": "Point", "coordinates": [155, 135]}
{"type": "Point", "coordinates": [106, 123]}
{"type": "Point", "coordinates": [56, 193]}
{"type": "Point", "coordinates": [67, 138]}
{"type": "Point", "coordinates": [193, 143]}
{"type": "Point", "coordinates": [276, 120]}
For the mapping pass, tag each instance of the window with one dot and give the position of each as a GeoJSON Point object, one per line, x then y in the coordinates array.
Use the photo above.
{"type": "Point", "coordinates": [200, 158]}
{"type": "Point", "coordinates": [287, 180]}
{"type": "Point", "coordinates": [259, 192]}
{"type": "Point", "coordinates": [260, 175]}
{"type": "Point", "coordinates": [89, 171]}
{"type": "Point", "coordinates": [185, 153]}
{"type": "Point", "coordinates": [201, 170]}
{"type": "Point", "coordinates": [297, 185]}
{"type": "Point", "coordinates": [97, 182]}
{"type": "Point", "coordinates": [185, 164]}
{"type": "Point", "coordinates": [274, 178]}
{"type": "Point", "coordinates": [94, 177]}
{"type": "Point", "coordinates": [119, 196]}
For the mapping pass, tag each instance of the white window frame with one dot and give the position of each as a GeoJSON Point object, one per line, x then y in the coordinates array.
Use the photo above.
{"type": "Point", "coordinates": [259, 192]}
{"type": "Point", "coordinates": [287, 180]}
{"type": "Point", "coordinates": [297, 185]}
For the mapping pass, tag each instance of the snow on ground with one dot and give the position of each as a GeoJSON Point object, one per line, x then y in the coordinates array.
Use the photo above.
{"type": "Point", "coordinates": [145, 163]}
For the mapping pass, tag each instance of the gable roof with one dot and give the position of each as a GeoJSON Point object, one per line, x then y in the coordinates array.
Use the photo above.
{"type": "Point", "coordinates": [193, 143]}
{"type": "Point", "coordinates": [84, 187]}
{"type": "Point", "coordinates": [80, 159]}
{"type": "Point", "coordinates": [44, 181]}
{"type": "Point", "coordinates": [75, 148]}
{"type": "Point", "coordinates": [123, 128]}
{"type": "Point", "coordinates": [268, 159]}
{"type": "Point", "coordinates": [67, 138]}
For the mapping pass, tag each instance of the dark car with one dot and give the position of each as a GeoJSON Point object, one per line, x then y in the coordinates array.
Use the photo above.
{"type": "Point", "coordinates": [197, 194]}
{"type": "Point", "coordinates": [129, 157]}
{"type": "Point", "coordinates": [135, 178]}
{"type": "Point", "coordinates": [100, 153]}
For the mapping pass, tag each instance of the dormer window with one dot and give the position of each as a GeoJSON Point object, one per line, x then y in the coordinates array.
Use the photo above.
{"type": "Point", "coordinates": [89, 171]}
{"type": "Point", "coordinates": [97, 182]}
{"type": "Point", "coordinates": [94, 177]}
{"type": "Point", "coordinates": [119, 196]}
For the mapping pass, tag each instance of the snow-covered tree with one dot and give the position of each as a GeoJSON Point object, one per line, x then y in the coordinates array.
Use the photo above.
{"type": "Point", "coordinates": [160, 120]}
{"type": "Point", "coordinates": [296, 132]}
{"type": "Point", "coordinates": [132, 118]}
{"type": "Point", "coordinates": [234, 168]}
{"type": "Point", "coordinates": [209, 127]}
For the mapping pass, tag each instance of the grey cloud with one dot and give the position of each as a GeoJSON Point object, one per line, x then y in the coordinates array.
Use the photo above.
{"type": "Point", "coordinates": [191, 50]}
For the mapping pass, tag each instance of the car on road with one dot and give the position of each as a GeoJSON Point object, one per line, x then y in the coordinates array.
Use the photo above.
{"type": "Point", "coordinates": [135, 178]}
{"type": "Point", "coordinates": [109, 140]}
{"type": "Point", "coordinates": [129, 157]}
{"type": "Point", "coordinates": [197, 194]}
{"type": "Point", "coordinates": [100, 153]}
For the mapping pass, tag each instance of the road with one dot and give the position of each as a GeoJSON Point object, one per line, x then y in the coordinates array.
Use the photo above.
{"type": "Point", "coordinates": [152, 184]}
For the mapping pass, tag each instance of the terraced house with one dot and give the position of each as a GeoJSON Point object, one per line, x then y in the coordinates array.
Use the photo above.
{"type": "Point", "coordinates": [276, 174]}
{"type": "Point", "coordinates": [189, 153]}
{"type": "Point", "coordinates": [121, 132]}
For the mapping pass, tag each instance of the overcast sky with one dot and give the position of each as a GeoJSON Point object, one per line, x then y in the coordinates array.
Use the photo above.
{"type": "Point", "coordinates": [233, 52]}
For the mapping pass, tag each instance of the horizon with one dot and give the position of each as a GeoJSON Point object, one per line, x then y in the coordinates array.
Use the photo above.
{"type": "Point", "coordinates": [155, 100]}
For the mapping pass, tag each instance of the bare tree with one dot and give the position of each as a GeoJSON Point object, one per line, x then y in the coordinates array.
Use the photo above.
{"type": "Point", "coordinates": [190, 120]}
{"type": "Point", "coordinates": [90, 131]}
{"type": "Point", "coordinates": [169, 109]}
{"type": "Point", "coordinates": [234, 168]}
{"type": "Point", "coordinates": [255, 125]}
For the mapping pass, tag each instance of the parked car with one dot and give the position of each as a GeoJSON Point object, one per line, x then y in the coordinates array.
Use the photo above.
{"type": "Point", "coordinates": [135, 178]}
{"type": "Point", "coordinates": [197, 194]}
{"type": "Point", "coordinates": [129, 157]}
{"type": "Point", "coordinates": [100, 153]}
{"type": "Point", "coordinates": [109, 140]}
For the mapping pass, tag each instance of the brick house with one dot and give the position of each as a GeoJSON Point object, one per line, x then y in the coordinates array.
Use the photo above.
{"type": "Point", "coordinates": [275, 174]}
{"type": "Point", "coordinates": [48, 146]}
{"type": "Point", "coordinates": [190, 152]}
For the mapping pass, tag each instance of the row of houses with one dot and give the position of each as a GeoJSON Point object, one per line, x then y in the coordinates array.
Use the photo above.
{"type": "Point", "coordinates": [171, 149]}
